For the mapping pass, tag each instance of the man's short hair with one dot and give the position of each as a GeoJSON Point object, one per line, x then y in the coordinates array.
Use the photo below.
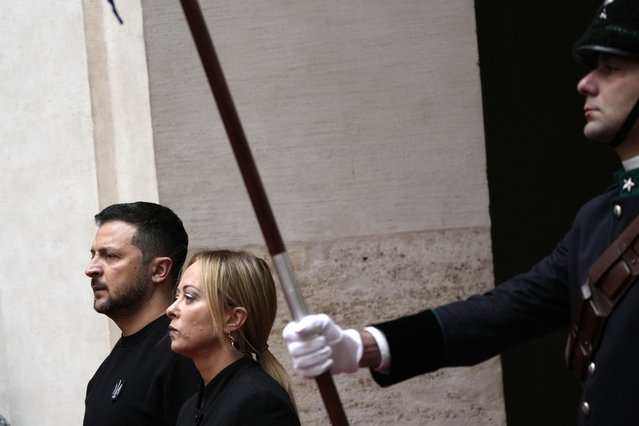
{"type": "Point", "coordinates": [160, 232]}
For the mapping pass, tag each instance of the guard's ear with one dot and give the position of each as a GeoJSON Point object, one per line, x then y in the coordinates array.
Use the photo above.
{"type": "Point", "coordinates": [160, 268]}
{"type": "Point", "coordinates": [234, 319]}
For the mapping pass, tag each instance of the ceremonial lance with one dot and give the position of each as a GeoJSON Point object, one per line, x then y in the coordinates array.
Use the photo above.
{"type": "Point", "coordinates": [256, 192]}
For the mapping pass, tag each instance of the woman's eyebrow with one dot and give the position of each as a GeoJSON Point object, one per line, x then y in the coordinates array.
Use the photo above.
{"type": "Point", "coordinates": [185, 286]}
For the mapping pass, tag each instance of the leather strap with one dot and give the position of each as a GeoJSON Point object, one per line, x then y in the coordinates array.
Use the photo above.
{"type": "Point", "coordinates": [609, 278]}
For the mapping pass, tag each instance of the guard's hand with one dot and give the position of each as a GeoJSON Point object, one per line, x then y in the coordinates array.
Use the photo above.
{"type": "Point", "coordinates": [316, 344]}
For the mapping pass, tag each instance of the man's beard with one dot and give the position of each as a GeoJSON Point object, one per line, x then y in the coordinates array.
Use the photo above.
{"type": "Point", "coordinates": [127, 300]}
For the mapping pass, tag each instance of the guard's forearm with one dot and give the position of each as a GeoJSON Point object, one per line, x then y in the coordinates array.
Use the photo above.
{"type": "Point", "coordinates": [372, 357]}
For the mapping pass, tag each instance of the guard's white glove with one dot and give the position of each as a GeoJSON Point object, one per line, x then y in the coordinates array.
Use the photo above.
{"type": "Point", "coordinates": [316, 344]}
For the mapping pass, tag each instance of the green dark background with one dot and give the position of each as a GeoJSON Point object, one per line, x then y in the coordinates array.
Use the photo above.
{"type": "Point", "coordinates": [540, 171]}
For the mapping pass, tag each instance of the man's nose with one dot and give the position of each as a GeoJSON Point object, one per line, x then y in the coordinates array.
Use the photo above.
{"type": "Point", "coordinates": [586, 85]}
{"type": "Point", "coordinates": [93, 269]}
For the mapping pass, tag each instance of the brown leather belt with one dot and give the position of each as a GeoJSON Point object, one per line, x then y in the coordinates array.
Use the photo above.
{"type": "Point", "coordinates": [609, 278]}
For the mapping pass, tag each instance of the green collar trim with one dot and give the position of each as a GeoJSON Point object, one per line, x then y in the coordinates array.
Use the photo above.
{"type": "Point", "coordinates": [628, 183]}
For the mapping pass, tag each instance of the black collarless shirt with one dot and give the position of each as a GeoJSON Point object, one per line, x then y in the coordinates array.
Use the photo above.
{"type": "Point", "coordinates": [241, 394]}
{"type": "Point", "coordinates": [141, 382]}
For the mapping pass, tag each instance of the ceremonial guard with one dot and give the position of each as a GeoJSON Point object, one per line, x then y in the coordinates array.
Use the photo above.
{"type": "Point", "coordinates": [588, 281]}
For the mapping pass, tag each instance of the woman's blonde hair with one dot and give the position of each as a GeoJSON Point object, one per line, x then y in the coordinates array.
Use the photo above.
{"type": "Point", "coordinates": [238, 279]}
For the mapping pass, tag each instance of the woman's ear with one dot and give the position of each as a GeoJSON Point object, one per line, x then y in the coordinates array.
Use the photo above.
{"type": "Point", "coordinates": [234, 319]}
{"type": "Point", "coordinates": [160, 268]}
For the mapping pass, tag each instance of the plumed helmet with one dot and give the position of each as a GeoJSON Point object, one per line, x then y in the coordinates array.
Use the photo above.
{"type": "Point", "coordinates": [613, 31]}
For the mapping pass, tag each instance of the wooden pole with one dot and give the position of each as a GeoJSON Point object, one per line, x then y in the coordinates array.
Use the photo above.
{"type": "Point", "coordinates": [256, 191]}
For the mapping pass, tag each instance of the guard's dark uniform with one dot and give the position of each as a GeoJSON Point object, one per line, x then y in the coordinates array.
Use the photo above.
{"type": "Point", "coordinates": [470, 331]}
{"type": "Point", "coordinates": [543, 300]}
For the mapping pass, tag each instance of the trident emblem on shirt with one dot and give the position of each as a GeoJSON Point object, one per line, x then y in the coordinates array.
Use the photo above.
{"type": "Point", "coordinates": [117, 389]}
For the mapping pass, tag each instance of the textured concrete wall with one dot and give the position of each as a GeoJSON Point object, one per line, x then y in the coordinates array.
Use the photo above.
{"type": "Point", "coordinates": [364, 279]}
{"type": "Point", "coordinates": [365, 121]}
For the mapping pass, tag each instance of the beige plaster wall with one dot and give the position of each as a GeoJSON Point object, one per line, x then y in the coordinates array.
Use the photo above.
{"type": "Point", "coordinates": [365, 122]}
{"type": "Point", "coordinates": [49, 332]}
{"type": "Point", "coordinates": [119, 90]}
{"type": "Point", "coordinates": [76, 135]}
{"type": "Point", "coordinates": [364, 118]}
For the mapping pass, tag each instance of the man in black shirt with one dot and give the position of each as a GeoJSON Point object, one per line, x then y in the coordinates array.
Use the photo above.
{"type": "Point", "coordinates": [136, 257]}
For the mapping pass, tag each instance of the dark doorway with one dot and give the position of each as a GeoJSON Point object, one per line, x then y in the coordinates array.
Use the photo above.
{"type": "Point", "coordinates": [540, 171]}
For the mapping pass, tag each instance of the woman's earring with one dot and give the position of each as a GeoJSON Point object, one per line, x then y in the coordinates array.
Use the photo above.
{"type": "Point", "coordinates": [235, 345]}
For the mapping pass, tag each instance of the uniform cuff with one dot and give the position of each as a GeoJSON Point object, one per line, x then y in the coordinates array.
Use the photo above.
{"type": "Point", "coordinates": [384, 349]}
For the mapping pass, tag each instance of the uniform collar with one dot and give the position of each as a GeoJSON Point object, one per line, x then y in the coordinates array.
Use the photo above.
{"type": "Point", "coordinates": [627, 182]}
{"type": "Point", "coordinates": [631, 163]}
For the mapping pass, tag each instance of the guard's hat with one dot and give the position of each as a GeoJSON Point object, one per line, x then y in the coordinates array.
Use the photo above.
{"type": "Point", "coordinates": [613, 31]}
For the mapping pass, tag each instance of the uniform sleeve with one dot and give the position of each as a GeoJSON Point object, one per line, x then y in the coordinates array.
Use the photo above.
{"type": "Point", "coordinates": [517, 311]}
{"type": "Point", "coordinates": [411, 353]}
{"type": "Point", "coordinates": [470, 331]}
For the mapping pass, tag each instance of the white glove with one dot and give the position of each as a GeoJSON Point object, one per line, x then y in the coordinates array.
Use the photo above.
{"type": "Point", "coordinates": [316, 344]}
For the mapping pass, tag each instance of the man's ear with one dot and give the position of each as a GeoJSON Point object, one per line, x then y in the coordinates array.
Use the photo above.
{"type": "Point", "coordinates": [234, 319]}
{"type": "Point", "coordinates": [160, 268]}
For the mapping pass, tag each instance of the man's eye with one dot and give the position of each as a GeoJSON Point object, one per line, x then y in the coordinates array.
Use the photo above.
{"type": "Point", "coordinates": [610, 67]}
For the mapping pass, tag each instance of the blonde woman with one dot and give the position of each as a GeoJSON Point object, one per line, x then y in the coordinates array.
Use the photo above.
{"type": "Point", "coordinates": [221, 318]}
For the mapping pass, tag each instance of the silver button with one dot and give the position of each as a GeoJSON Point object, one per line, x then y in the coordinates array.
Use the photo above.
{"type": "Point", "coordinates": [616, 210]}
{"type": "Point", "coordinates": [585, 408]}
{"type": "Point", "coordinates": [591, 368]}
